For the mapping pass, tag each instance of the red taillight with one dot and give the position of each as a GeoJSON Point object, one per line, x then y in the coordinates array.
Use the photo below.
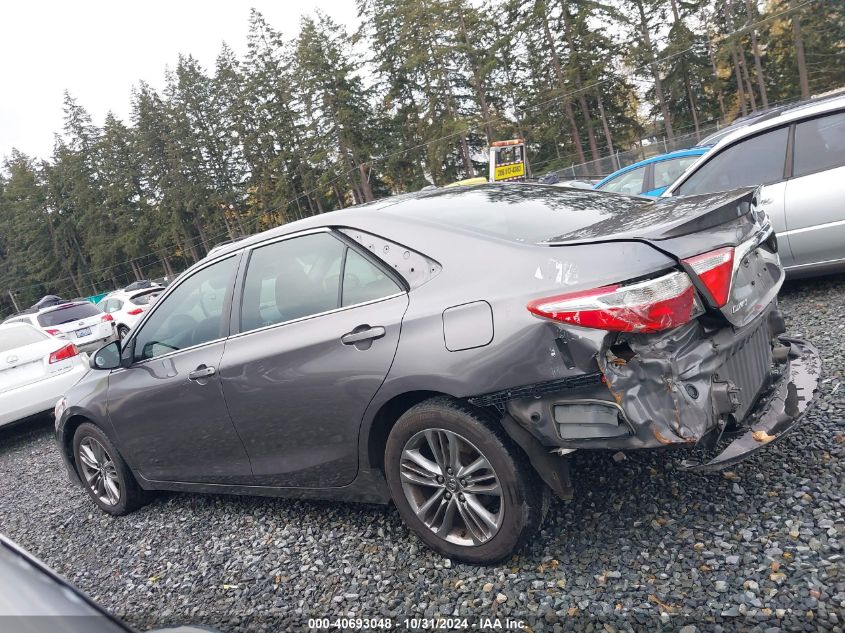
{"type": "Point", "coordinates": [715, 269]}
{"type": "Point", "coordinates": [135, 311]}
{"type": "Point", "coordinates": [646, 306]}
{"type": "Point", "coordinates": [107, 317]}
{"type": "Point", "coordinates": [53, 332]}
{"type": "Point", "coordinates": [68, 351]}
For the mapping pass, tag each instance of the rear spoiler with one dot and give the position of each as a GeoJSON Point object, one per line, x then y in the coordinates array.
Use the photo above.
{"type": "Point", "coordinates": [667, 218]}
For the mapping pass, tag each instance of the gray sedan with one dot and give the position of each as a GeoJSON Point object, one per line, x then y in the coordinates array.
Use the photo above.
{"type": "Point", "coordinates": [447, 350]}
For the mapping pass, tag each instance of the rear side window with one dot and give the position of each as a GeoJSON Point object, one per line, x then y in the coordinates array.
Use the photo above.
{"type": "Point", "coordinates": [301, 277]}
{"type": "Point", "coordinates": [755, 161]}
{"type": "Point", "coordinates": [67, 314]}
{"type": "Point", "coordinates": [668, 171]}
{"type": "Point", "coordinates": [632, 182]}
{"type": "Point", "coordinates": [292, 279]}
{"type": "Point", "coordinates": [819, 144]}
{"type": "Point", "coordinates": [364, 281]}
{"type": "Point", "coordinates": [18, 336]}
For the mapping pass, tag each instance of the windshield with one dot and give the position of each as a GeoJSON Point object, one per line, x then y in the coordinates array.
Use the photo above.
{"type": "Point", "coordinates": [68, 313]}
{"type": "Point", "coordinates": [18, 336]}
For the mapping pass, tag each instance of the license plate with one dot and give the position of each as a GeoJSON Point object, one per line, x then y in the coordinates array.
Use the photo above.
{"type": "Point", "coordinates": [514, 170]}
{"type": "Point", "coordinates": [86, 331]}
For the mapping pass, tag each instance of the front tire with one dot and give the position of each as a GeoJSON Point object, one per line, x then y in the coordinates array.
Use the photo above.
{"type": "Point", "coordinates": [104, 474]}
{"type": "Point", "coordinates": [460, 483]}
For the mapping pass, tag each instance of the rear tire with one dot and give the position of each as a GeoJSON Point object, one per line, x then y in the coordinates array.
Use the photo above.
{"type": "Point", "coordinates": [104, 474]}
{"type": "Point", "coordinates": [122, 331]}
{"type": "Point", "coordinates": [496, 504]}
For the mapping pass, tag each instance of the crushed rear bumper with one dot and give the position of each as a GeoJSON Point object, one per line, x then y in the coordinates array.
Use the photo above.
{"type": "Point", "coordinates": [691, 386]}
{"type": "Point", "coordinates": [780, 411]}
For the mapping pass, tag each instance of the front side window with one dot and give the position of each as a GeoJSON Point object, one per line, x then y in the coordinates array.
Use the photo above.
{"type": "Point", "coordinates": [668, 171]}
{"type": "Point", "coordinates": [758, 160]}
{"type": "Point", "coordinates": [819, 144]}
{"type": "Point", "coordinates": [632, 182]}
{"type": "Point", "coordinates": [191, 315]}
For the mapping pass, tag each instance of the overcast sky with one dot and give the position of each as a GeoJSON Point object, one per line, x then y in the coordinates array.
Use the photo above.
{"type": "Point", "coordinates": [99, 49]}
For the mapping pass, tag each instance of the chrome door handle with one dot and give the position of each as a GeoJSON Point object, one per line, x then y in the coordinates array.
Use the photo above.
{"type": "Point", "coordinates": [767, 201]}
{"type": "Point", "coordinates": [363, 335]}
{"type": "Point", "coordinates": [202, 372]}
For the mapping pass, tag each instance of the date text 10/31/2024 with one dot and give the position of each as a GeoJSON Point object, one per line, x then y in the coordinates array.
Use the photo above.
{"type": "Point", "coordinates": [416, 623]}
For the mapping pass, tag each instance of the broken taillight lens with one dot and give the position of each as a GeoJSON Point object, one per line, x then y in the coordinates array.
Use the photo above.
{"type": "Point", "coordinates": [646, 306]}
{"type": "Point", "coordinates": [715, 269]}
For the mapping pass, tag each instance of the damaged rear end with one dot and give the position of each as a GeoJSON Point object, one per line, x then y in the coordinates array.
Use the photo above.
{"type": "Point", "coordinates": [682, 356]}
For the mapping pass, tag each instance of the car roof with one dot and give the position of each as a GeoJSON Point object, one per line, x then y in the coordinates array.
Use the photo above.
{"type": "Point", "coordinates": [773, 112]}
{"type": "Point", "coordinates": [681, 153]}
{"type": "Point", "coordinates": [803, 110]}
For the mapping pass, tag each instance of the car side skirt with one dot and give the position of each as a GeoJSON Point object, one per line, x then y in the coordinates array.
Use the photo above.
{"type": "Point", "coordinates": [368, 487]}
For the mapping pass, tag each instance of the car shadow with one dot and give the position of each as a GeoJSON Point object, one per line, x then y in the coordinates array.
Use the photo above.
{"type": "Point", "coordinates": [24, 431]}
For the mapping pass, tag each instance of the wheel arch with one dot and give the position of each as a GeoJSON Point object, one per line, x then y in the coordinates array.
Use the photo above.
{"type": "Point", "coordinates": [386, 417]}
{"type": "Point", "coordinates": [66, 438]}
{"type": "Point", "coordinates": [68, 431]}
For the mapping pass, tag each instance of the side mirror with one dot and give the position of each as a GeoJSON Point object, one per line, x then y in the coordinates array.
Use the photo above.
{"type": "Point", "coordinates": [107, 357]}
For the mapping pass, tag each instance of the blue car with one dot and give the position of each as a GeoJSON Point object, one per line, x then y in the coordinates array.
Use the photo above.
{"type": "Point", "coordinates": [651, 177]}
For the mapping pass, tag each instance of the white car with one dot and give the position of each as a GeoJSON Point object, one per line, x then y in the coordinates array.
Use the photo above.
{"type": "Point", "coordinates": [797, 154]}
{"type": "Point", "coordinates": [127, 307]}
{"type": "Point", "coordinates": [80, 322]}
{"type": "Point", "coordinates": [36, 370]}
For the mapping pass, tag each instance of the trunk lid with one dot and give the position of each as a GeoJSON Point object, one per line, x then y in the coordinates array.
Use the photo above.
{"type": "Point", "coordinates": [656, 219]}
{"type": "Point", "coordinates": [694, 225]}
{"type": "Point", "coordinates": [27, 364]}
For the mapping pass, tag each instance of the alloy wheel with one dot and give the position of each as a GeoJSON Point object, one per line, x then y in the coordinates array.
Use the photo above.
{"type": "Point", "coordinates": [99, 471]}
{"type": "Point", "coordinates": [451, 487]}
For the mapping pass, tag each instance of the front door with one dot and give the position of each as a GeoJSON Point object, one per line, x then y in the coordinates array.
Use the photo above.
{"type": "Point", "coordinates": [167, 408]}
{"type": "Point", "coordinates": [319, 326]}
{"type": "Point", "coordinates": [815, 213]}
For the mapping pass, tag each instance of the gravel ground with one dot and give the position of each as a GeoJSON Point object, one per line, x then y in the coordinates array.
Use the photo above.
{"type": "Point", "coordinates": [642, 546]}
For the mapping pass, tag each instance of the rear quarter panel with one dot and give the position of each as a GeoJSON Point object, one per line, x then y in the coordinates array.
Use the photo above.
{"type": "Point", "coordinates": [507, 276]}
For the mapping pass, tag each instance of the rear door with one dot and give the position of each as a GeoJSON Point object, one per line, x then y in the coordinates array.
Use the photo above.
{"type": "Point", "coordinates": [815, 211]}
{"type": "Point", "coordinates": [310, 355]}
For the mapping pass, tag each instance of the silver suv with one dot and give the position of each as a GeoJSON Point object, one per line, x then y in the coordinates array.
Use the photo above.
{"type": "Point", "coordinates": [799, 158]}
